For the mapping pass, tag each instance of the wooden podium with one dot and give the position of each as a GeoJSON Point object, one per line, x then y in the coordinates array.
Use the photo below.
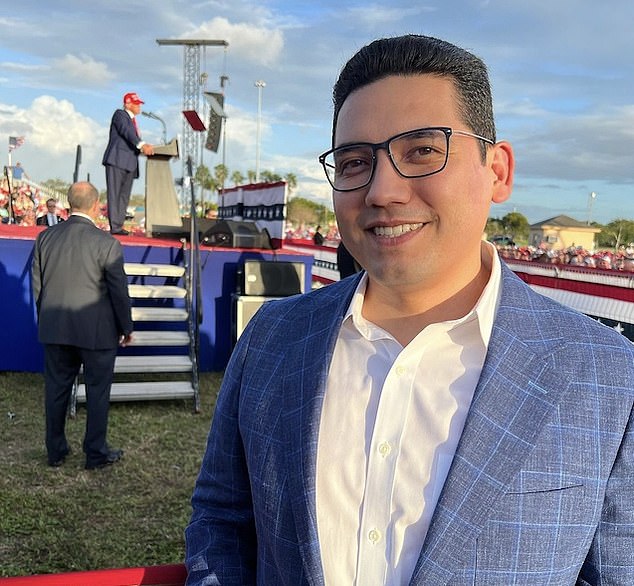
{"type": "Point", "coordinates": [162, 213]}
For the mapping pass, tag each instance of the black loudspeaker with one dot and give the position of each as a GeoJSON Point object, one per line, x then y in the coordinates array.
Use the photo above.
{"type": "Point", "coordinates": [203, 225]}
{"type": "Point", "coordinates": [234, 234]}
{"type": "Point", "coordinates": [216, 118]}
{"type": "Point", "coordinates": [272, 278]}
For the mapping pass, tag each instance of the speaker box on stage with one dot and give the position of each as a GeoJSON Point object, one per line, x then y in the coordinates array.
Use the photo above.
{"type": "Point", "coordinates": [244, 308]}
{"type": "Point", "coordinates": [272, 278]}
{"type": "Point", "coordinates": [203, 225]}
{"type": "Point", "coordinates": [234, 234]}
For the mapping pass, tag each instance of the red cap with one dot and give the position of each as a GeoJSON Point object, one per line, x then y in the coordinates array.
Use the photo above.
{"type": "Point", "coordinates": [133, 98]}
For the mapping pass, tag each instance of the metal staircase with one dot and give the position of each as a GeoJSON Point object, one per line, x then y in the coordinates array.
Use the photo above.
{"type": "Point", "coordinates": [161, 361]}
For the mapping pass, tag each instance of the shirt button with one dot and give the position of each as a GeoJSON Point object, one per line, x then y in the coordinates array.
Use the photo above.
{"type": "Point", "coordinates": [400, 370]}
{"type": "Point", "coordinates": [374, 535]}
{"type": "Point", "coordinates": [384, 449]}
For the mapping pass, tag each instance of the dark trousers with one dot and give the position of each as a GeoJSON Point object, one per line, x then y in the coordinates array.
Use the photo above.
{"type": "Point", "coordinates": [61, 366]}
{"type": "Point", "coordinates": [118, 187]}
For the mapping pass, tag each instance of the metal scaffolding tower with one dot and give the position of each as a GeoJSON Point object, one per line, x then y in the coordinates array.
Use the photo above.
{"type": "Point", "coordinates": [192, 79]}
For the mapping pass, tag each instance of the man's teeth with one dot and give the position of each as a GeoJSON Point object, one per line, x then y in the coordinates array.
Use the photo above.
{"type": "Point", "coordinates": [395, 231]}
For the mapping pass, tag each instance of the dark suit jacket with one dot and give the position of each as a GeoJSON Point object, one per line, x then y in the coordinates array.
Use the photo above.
{"type": "Point", "coordinates": [79, 286]}
{"type": "Point", "coordinates": [540, 491]}
{"type": "Point", "coordinates": [121, 151]}
{"type": "Point", "coordinates": [43, 220]}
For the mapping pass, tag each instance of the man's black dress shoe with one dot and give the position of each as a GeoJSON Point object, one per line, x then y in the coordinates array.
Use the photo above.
{"type": "Point", "coordinates": [57, 463]}
{"type": "Point", "coordinates": [120, 233]}
{"type": "Point", "coordinates": [112, 457]}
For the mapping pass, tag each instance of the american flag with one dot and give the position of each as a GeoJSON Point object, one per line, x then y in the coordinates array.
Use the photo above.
{"type": "Point", "coordinates": [15, 142]}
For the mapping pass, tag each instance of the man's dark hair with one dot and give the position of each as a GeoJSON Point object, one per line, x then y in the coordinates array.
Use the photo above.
{"type": "Point", "coordinates": [418, 55]}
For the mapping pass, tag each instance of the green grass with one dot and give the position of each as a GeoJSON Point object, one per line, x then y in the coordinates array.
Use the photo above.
{"type": "Point", "coordinates": [127, 515]}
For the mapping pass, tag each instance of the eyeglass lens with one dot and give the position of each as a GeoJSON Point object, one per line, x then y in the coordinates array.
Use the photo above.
{"type": "Point", "coordinates": [415, 154]}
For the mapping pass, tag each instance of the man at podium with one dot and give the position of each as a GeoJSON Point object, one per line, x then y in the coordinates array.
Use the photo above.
{"type": "Point", "coordinates": [121, 159]}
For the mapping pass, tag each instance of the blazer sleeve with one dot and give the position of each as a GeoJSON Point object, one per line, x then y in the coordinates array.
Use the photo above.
{"type": "Point", "coordinates": [125, 129]}
{"type": "Point", "coordinates": [220, 539]}
{"type": "Point", "coordinates": [117, 284]}
{"type": "Point", "coordinates": [610, 559]}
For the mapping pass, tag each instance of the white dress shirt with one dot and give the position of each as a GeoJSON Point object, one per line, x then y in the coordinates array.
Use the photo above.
{"type": "Point", "coordinates": [82, 215]}
{"type": "Point", "coordinates": [390, 425]}
{"type": "Point", "coordinates": [140, 143]}
{"type": "Point", "coordinates": [51, 219]}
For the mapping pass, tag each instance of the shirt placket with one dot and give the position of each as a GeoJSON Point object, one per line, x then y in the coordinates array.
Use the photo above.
{"type": "Point", "coordinates": [375, 543]}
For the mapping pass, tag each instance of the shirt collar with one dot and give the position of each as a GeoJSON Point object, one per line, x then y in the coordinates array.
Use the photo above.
{"type": "Point", "coordinates": [483, 311]}
{"type": "Point", "coordinates": [82, 215]}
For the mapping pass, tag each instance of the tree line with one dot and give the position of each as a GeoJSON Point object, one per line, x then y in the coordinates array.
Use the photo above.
{"type": "Point", "coordinates": [616, 233]}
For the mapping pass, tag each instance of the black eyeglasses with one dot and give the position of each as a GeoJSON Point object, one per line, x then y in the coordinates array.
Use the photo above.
{"type": "Point", "coordinates": [415, 153]}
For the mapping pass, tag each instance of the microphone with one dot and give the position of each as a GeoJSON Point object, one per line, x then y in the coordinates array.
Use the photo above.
{"type": "Point", "coordinates": [155, 117]}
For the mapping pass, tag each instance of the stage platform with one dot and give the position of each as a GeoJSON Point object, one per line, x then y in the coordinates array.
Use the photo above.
{"type": "Point", "coordinates": [219, 266]}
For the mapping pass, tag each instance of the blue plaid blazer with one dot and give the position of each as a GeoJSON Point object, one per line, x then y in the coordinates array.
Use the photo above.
{"type": "Point", "coordinates": [540, 491]}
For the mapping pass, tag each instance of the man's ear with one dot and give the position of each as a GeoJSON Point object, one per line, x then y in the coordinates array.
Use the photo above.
{"type": "Point", "coordinates": [503, 167]}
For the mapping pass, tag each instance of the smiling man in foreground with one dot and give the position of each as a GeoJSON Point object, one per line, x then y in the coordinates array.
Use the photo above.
{"type": "Point", "coordinates": [431, 420]}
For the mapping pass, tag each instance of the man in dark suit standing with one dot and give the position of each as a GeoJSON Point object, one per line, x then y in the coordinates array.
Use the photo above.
{"type": "Point", "coordinates": [121, 159]}
{"type": "Point", "coordinates": [81, 294]}
{"type": "Point", "coordinates": [51, 217]}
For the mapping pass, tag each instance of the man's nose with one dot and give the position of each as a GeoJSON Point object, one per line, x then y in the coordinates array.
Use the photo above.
{"type": "Point", "coordinates": [388, 185]}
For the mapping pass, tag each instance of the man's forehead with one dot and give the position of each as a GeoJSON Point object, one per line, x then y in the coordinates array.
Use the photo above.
{"type": "Point", "coordinates": [397, 104]}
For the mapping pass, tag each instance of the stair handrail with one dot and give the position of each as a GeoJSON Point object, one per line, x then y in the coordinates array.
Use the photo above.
{"type": "Point", "coordinates": [194, 290]}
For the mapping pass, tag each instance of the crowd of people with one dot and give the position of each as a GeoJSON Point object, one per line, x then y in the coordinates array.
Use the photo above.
{"type": "Point", "coordinates": [28, 203]}
{"type": "Point", "coordinates": [307, 232]}
{"type": "Point", "coordinates": [620, 260]}
{"type": "Point", "coordinates": [30, 207]}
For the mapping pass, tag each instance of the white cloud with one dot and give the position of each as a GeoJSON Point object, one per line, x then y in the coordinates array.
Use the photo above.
{"type": "Point", "coordinates": [252, 43]}
{"type": "Point", "coordinates": [522, 108]}
{"type": "Point", "coordinates": [379, 15]}
{"type": "Point", "coordinates": [587, 146]}
{"type": "Point", "coordinates": [82, 69]}
{"type": "Point", "coordinates": [56, 127]}
{"type": "Point", "coordinates": [240, 133]}
{"type": "Point", "coordinates": [20, 67]}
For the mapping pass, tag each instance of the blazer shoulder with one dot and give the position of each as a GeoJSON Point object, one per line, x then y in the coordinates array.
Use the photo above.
{"type": "Point", "coordinates": [319, 309]}
{"type": "Point", "coordinates": [527, 319]}
{"type": "Point", "coordinates": [120, 113]}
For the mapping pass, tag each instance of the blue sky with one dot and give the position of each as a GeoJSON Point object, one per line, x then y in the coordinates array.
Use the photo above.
{"type": "Point", "coordinates": [562, 74]}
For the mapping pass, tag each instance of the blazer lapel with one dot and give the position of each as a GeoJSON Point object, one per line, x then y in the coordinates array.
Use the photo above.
{"type": "Point", "coordinates": [510, 406]}
{"type": "Point", "coordinates": [307, 365]}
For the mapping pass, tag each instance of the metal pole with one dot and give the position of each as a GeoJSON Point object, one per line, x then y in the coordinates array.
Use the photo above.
{"type": "Point", "coordinates": [591, 199]}
{"type": "Point", "coordinates": [191, 93]}
{"type": "Point", "coordinates": [258, 84]}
